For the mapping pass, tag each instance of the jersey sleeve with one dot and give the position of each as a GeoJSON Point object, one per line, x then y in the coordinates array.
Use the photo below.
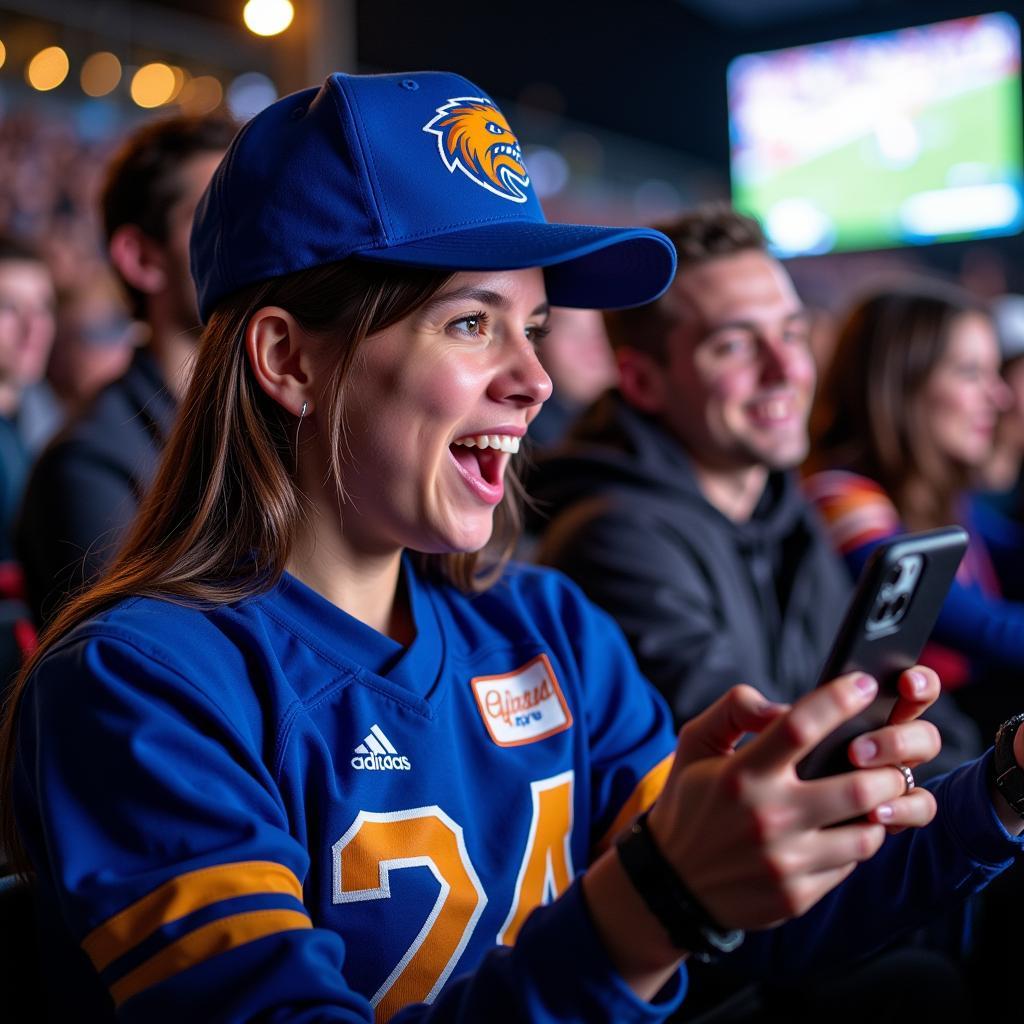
{"type": "Point", "coordinates": [159, 835]}
{"type": "Point", "coordinates": [916, 875]}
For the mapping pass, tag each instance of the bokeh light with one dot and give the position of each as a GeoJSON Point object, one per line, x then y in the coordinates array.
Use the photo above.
{"type": "Point", "coordinates": [3, 53]}
{"type": "Point", "coordinates": [152, 85]}
{"type": "Point", "coordinates": [47, 69]}
{"type": "Point", "coordinates": [201, 95]}
{"type": "Point", "coordinates": [101, 74]}
{"type": "Point", "coordinates": [181, 76]}
{"type": "Point", "coordinates": [248, 94]}
{"type": "Point", "coordinates": [268, 17]}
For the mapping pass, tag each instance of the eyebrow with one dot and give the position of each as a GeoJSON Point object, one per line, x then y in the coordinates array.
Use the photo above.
{"type": "Point", "coordinates": [750, 325]}
{"type": "Point", "coordinates": [484, 296]}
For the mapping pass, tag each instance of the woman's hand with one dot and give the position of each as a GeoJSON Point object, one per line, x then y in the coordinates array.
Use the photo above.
{"type": "Point", "coordinates": [756, 844]}
{"type": "Point", "coordinates": [904, 741]}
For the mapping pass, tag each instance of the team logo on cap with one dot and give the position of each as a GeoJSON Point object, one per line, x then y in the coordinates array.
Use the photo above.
{"type": "Point", "coordinates": [473, 136]}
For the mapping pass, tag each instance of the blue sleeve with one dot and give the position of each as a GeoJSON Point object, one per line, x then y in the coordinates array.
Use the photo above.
{"type": "Point", "coordinates": [915, 876]}
{"type": "Point", "coordinates": [1004, 539]}
{"type": "Point", "coordinates": [156, 829]}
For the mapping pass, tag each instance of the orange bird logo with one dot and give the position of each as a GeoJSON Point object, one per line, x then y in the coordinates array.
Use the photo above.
{"type": "Point", "coordinates": [473, 136]}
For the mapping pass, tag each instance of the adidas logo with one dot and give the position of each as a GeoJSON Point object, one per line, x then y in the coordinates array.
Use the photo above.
{"type": "Point", "coordinates": [376, 754]}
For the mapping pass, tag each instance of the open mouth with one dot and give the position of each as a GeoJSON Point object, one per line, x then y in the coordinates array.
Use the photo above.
{"type": "Point", "coordinates": [481, 460]}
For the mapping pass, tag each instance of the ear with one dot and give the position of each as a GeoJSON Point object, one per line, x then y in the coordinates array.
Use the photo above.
{"type": "Point", "coordinates": [138, 259]}
{"type": "Point", "coordinates": [642, 380]}
{"type": "Point", "coordinates": [280, 357]}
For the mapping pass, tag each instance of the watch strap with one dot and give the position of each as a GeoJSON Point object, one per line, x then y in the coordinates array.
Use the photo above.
{"type": "Point", "coordinates": [690, 927]}
{"type": "Point", "coordinates": [1007, 775]}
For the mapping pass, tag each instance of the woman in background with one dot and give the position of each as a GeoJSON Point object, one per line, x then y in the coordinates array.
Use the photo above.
{"type": "Point", "coordinates": [905, 418]}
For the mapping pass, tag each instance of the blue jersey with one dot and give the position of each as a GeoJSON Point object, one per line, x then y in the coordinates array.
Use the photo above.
{"type": "Point", "coordinates": [270, 811]}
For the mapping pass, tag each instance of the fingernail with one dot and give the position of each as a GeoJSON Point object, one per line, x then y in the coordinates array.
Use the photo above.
{"type": "Point", "coordinates": [918, 683]}
{"type": "Point", "coordinates": [864, 750]}
{"type": "Point", "coordinates": [866, 685]}
{"type": "Point", "coordinates": [884, 812]}
{"type": "Point", "coordinates": [770, 707]}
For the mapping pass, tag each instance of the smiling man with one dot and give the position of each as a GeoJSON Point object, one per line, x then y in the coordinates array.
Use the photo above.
{"type": "Point", "coordinates": [675, 505]}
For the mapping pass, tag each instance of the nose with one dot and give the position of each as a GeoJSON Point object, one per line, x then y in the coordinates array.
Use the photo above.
{"type": "Point", "coordinates": [776, 360]}
{"type": "Point", "coordinates": [522, 379]}
{"type": "Point", "coordinates": [1000, 394]}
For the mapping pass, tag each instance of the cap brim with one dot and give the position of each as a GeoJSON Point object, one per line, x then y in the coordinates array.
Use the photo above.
{"type": "Point", "coordinates": [584, 266]}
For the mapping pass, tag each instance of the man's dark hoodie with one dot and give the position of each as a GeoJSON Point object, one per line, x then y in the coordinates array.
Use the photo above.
{"type": "Point", "coordinates": [705, 602]}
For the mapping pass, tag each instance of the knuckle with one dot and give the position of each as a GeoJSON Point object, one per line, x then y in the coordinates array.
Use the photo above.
{"type": "Point", "coordinates": [861, 791]}
{"type": "Point", "coordinates": [868, 842]}
{"type": "Point", "coordinates": [779, 866]}
{"type": "Point", "coordinates": [798, 730]}
{"type": "Point", "coordinates": [766, 823]}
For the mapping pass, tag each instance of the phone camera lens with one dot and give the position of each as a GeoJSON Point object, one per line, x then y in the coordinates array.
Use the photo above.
{"type": "Point", "coordinates": [895, 574]}
{"type": "Point", "coordinates": [899, 606]}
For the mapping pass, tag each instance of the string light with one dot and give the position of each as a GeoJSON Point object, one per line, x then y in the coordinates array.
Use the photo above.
{"type": "Point", "coordinates": [201, 95]}
{"type": "Point", "coordinates": [268, 17]}
{"type": "Point", "coordinates": [47, 69]}
{"type": "Point", "coordinates": [101, 74]}
{"type": "Point", "coordinates": [152, 85]}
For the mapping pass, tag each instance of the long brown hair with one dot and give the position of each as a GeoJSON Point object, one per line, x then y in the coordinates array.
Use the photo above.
{"type": "Point", "coordinates": [219, 521]}
{"type": "Point", "coordinates": [869, 418]}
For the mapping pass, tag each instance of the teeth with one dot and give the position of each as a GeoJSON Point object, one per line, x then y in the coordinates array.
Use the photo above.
{"type": "Point", "coordinates": [775, 409]}
{"type": "Point", "coordinates": [500, 442]}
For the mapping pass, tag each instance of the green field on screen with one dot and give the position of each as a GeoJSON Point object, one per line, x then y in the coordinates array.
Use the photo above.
{"type": "Point", "coordinates": [862, 197]}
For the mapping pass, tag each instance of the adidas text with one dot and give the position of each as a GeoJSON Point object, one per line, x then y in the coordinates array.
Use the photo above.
{"type": "Point", "coordinates": [379, 762]}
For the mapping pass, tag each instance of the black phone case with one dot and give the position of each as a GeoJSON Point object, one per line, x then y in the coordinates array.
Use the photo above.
{"type": "Point", "coordinates": [885, 653]}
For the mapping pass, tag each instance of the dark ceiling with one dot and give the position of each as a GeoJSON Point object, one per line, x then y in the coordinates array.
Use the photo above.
{"type": "Point", "coordinates": [651, 69]}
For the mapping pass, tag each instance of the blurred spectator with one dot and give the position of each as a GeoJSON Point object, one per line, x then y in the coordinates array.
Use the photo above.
{"type": "Point", "coordinates": [96, 339]}
{"type": "Point", "coordinates": [26, 336]}
{"type": "Point", "coordinates": [578, 358]}
{"type": "Point", "coordinates": [674, 504]}
{"type": "Point", "coordinates": [907, 417]}
{"type": "Point", "coordinates": [1001, 473]}
{"type": "Point", "coordinates": [86, 487]}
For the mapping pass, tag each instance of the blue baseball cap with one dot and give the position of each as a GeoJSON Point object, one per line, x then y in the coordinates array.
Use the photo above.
{"type": "Point", "coordinates": [419, 169]}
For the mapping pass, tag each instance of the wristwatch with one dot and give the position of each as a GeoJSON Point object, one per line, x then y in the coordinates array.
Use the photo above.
{"type": "Point", "coordinates": [689, 925]}
{"type": "Point", "coordinates": [1007, 775]}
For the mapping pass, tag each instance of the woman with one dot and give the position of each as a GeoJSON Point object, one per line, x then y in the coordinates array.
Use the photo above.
{"type": "Point", "coordinates": [291, 759]}
{"type": "Point", "coordinates": [906, 416]}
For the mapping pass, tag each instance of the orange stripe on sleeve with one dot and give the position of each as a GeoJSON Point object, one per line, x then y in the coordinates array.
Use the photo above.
{"type": "Point", "coordinates": [181, 896]}
{"type": "Point", "coordinates": [206, 942]}
{"type": "Point", "coordinates": [646, 792]}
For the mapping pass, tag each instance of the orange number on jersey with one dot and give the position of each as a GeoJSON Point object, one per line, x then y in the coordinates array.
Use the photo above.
{"type": "Point", "coordinates": [378, 844]}
{"type": "Point", "coordinates": [546, 870]}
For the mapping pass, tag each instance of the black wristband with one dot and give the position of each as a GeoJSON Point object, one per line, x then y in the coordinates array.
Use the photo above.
{"type": "Point", "coordinates": [1007, 775]}
{"type": "Point", "coordinates": [689, 926]}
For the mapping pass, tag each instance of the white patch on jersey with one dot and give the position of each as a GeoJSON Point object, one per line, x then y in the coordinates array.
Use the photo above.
{"type": "Point", "coordinates": [523, 706]}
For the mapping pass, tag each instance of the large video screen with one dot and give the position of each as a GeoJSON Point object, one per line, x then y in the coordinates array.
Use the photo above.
{"type": "Point", "coordinates": [900, 138]}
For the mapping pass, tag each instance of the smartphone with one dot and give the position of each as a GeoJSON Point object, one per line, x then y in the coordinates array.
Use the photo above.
{"type": "Point", "coordinates": [887, 623]}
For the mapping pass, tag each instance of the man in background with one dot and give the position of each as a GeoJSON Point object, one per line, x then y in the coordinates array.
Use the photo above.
{"type": "Point", "coordinates": [675, 505]}
{"type": "Point", "coordinates": [27, 327]}
{"type": "Point", "coordinates": [84, 491]}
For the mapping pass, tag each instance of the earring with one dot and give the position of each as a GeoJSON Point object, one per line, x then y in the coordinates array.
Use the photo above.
{"type": "Point", "coordinates": [298, 427]}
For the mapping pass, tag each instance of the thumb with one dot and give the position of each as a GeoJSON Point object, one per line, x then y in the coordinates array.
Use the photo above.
{"type": "Point", "coordinates": [717, 729]}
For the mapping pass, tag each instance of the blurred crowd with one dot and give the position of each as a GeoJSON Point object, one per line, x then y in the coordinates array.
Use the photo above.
{"type": "Point", "coordinates": [919, 423]}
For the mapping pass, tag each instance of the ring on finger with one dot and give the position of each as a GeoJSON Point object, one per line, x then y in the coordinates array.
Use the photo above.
{"type": "Point", "coordinates": [908, 778]}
